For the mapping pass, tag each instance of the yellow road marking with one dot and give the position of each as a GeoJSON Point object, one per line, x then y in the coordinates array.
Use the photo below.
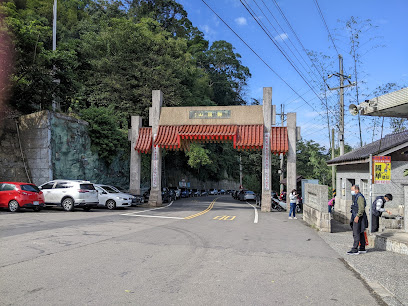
{"type": "Point", "coordinates": [202, 212]}
{"type": "Point", "coordinates": [225, 218]}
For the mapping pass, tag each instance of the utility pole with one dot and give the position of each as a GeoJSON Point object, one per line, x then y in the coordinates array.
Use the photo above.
{"type": "Point", "coordinates": [341, 77]}
{"type": "Point", "coordinates": [333, 166]}
{"type": "Point", "coordinates": [55, 105]}
{"type": "Point", "coordinates": [240, 171]}
{"type": "Point", "coordinates": [282, 116]}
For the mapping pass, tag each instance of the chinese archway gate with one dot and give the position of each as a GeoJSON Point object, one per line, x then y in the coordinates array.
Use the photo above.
{"type": "Point", "coordinates": [248, 127]}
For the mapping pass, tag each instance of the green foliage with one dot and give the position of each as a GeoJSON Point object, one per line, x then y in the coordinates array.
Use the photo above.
{"type": "Point", "coordinates": [110, 56]}
{"type": "Point", "coordinates": [406, 172]}
{"type": "Point", "coordinates": [107, 139]}
{"type": "Point", "coordinates": [198, 156]}
{"type": "Point", "coordinates": [311, 161]}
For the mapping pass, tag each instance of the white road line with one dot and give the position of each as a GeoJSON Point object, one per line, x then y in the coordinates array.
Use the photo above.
{"type": "Point", "coordinates": [256, 213]}
{"type": "Point", "coordinates": [162, 217]}
{"type": "Point", "coordinates": [138, 212]}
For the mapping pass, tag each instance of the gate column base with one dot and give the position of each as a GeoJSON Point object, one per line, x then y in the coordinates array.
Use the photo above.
{"type": "Point", "coordinates": [266, 202]}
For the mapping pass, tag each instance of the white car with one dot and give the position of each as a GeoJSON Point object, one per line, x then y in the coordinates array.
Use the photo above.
{"type": "Point", "coordinates": [70, 194]}
{"type": "Point", "coordinates": [111, 198]}
{"type": "Point", "coordinates": [213, 192]}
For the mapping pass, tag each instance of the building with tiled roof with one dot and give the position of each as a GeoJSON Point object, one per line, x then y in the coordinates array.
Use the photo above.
{"type": "Point", "coordinates": [354, 168]}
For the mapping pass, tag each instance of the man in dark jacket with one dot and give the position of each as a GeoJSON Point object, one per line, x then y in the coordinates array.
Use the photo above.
{"type": "Point", "coordinates": [377, 209]}
{"type": "Point", "coordinates": [359, 221]}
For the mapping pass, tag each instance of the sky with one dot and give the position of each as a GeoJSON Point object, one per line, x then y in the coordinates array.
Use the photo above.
{"type": "Point", "coordinates": [383, 49]}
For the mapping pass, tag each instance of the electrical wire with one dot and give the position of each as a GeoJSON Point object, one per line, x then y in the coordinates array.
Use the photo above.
{"type": "Point", "coordinates": [250, 11]}
{"type": "Point", "coordinates": [327, 28]}
{"type": "Point", "coordinates": [287, 84]}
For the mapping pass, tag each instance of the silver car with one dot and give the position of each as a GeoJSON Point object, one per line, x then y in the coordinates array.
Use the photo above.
{"type": "Point", "coordinates": [249, 195]}
{"type": "Point", "coordinates": [111, 198]}
{"type": "Point", "coordinates": [70, 194]}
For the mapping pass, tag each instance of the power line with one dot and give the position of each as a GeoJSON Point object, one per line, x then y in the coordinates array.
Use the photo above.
{"type": "Point", "coordinates": [327, 28]}
{"type": "Point", "coordinates": [287, 84]}
{"type": "Point", "coordinates": [250, 11]}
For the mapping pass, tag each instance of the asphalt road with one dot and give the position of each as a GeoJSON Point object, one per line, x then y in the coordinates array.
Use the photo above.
{"type": "Point", "coordinates": [197, 251]}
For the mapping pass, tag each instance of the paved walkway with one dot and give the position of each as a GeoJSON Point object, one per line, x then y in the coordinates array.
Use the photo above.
{"type": "Point", "coordinates": [385, 272]}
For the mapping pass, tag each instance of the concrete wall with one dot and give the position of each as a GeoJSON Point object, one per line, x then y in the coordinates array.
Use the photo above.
{"type": "Point", "coordinates": [56, 146]}
{"type": "Point", "coordinates": [406, 209]}
{"type": "Point", "coordinates": [315, 208]}
{"type": "Point", "coordinates": [11, 161]}
{"type": "Point", "coordinates": [36, 135]}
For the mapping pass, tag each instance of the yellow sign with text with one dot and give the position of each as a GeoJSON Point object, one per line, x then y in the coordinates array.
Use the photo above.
{"type": "Point", "coordinates": [381, 169]}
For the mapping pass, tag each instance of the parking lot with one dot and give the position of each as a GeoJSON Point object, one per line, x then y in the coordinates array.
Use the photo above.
{"type": "Point", "coordinates": [206, 250]}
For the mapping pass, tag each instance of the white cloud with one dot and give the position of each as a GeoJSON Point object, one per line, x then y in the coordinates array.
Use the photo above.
{"type": "Point", "coordinates": [241, 21]}
{"type": "Point", "coordinates": [281, 37]}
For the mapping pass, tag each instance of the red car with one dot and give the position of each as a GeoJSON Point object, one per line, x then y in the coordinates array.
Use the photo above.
{"type": "Point", "coordinates": [14, 195]}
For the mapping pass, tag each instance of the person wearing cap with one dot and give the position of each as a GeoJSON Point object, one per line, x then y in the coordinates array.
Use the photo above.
{"type": "Point", "coordinates": [377, 209]}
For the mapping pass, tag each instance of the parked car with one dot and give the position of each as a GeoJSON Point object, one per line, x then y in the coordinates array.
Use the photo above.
{"type": "Point", "coordinates": [185, 193]}
{"type": "Point", "coordinates": [196, 193]}
{"type": "Point", "coordinates": [240, 195]}
{"type": "Point", "coordinates": [248, 195]}
{"type": "Point", "coordinates": [222, 191]}
{"type": "Point", "coordinates": [111, 198]}
{"type": "Point", "coordinates": [16, 195]}
{"type": "Point", "coordinates": [70, 194]}
{"type": "Point", "coordinates": [213, 192]}
{"type": "Point", "coordinates": [136, 198]}
{"type": "Point", "coordinates": [146, 195]}
{"type": "Point", "coordinates": [204, 192]}
{"type": "Point", "coordinates": [177, 191]}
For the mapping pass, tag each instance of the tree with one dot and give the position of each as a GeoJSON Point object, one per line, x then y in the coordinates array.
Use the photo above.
{"type": "Point", "coordinates": [312, 161]}
{"type": "Point", "coordinates": [106, 137]}
{"type": "Point", "coordinates": [228, 77]}
{"type": "Point", "coordinates": [198, 156]}
{"type": "Point", "coordinates": [360, 41]}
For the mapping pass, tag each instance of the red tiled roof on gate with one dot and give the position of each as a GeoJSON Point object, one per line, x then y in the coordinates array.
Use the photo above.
{"type": "Point", "coordinates": [203, 132]}
{"type": "Point", "coordinates": [244, 137]}
{"type": "Point", "coordinates": [167, 137]}
{"type": "Point", "coordinates": [279, 140]}
{"type": "Point", "coordinates": [144, 141]}
{"type": "Point", "coordinates": [249, 137]}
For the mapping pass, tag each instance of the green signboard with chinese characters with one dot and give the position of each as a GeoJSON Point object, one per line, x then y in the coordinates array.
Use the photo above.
{"type": "Point", "coordinates": [210, 114]}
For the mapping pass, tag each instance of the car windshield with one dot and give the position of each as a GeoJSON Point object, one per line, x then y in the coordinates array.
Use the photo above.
{"type": "Point", "coordinates": [31, 188]}
{"type": "Point", "coordinates": [87, 186]}
{"type": "Point", "coordinates": [249, 192]}
{"type": "Point", "coordinates": [109, 189]}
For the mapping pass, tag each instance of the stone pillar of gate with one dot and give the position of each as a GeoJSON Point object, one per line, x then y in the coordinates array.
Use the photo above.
{"type": "Point", "coordinates": [266, 151]}
{"type": "Point", "coordinates": [155, 198]}
{"type": "Point", "coordinates": [291, 159]}
{"type": "Point", "coordinates": [135, 157]}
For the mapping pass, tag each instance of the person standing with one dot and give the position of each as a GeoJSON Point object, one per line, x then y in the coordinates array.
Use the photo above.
{"type": "Point", "coordinates": [293, 197]}
{"type": "Point", "coordinates": [331, 204]}
{"type": "Point", "coordinates": [377, 209]}
{"type": "Point", "coordinates": [358, 221]}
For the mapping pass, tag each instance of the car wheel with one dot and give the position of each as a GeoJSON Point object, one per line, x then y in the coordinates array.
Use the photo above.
{"type": "Point", "coordinates": [111, 204]}
{"type": "Point", "coordinates": [37, 209]}
{"type": "Point", "coordinates": [13, 206]}
{"type": "Point", "coordinates": [68, 204]}
{"type": "Point", "coordinates": [87, 208]}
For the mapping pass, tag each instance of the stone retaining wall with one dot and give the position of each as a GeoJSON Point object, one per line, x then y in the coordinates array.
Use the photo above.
{"type": "Point", "coordinates": [315, 208]}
